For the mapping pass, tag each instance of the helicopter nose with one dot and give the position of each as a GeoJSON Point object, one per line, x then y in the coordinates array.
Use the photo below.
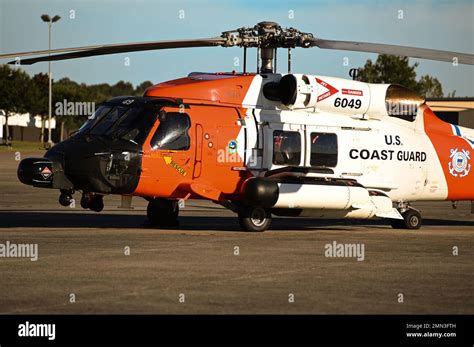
{"type": "Point", "coordinates": [90, 166]}
{"type": "Point", "coordinates": [97, 165]}
{"type": "Point", "coordinates": [46, 172]}
{"type": "Point", "coordinates": [36, 172]}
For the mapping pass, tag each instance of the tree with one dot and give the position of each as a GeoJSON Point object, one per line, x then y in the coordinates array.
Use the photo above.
{"type": "Point", "coordinates": [122, 88]}
{"type": "Point", "coordinates": [67, 91]}
{"type": "Point", "coordinates": [397, 70]}
{"type": "Point", "coordinates": [430, 87]}
{"type": "Point", "coordinates": [15, 93]}
{"type": "Point", "coordinates": [19, 93]}
{"type": "Point", "coordinates": [140, 90]}
{"type": "Point", "coordinates": [38, 103]}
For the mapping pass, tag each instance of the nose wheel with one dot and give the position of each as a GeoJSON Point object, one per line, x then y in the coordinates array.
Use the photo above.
{"type": "Point", "coordinates": [411, 220]}
{"type": "Point", "coordinates": [254, 218]}
{"type": "Point", "coordinates": [163, 213]}
{"type": "Point", "coordinates": [65, 198]}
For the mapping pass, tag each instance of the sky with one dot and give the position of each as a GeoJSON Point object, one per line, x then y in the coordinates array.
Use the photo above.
{"type": "Point", "coordinates": [445, 25]}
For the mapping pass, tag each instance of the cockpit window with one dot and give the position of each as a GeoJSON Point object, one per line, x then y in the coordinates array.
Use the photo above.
{"type": "Point", "coordinates": [172, 133]}
{"type": "Point", "coordinates": [106, 123]}
{"type": "Point", "coordinates": [94, 118]}
{"type": "Point", "coordinates": [286, 147]}
{"type": "Point", "coordinates": [121, 122]}
{"type": "Point", "coordinates": [134, 125]}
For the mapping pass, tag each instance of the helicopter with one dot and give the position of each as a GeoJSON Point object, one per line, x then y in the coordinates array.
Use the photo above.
{"type": "Point", "coordinates": [262, 143]}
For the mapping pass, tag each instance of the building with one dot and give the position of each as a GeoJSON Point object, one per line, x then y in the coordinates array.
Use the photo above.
{"type": "Point", "coordinates": [459, 111]}
{"type": "Point", "coordinates": [24, 127]}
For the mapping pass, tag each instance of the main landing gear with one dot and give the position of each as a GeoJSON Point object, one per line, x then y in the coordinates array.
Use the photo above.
{"type": "Point", "coordinates": [411, 218]}
{"type": "Point", "coordinates": [163, 213]}
{"type": "Point", "coordinates": [254, 218]}
{"type": "Point", "coordinates": [92, 201]}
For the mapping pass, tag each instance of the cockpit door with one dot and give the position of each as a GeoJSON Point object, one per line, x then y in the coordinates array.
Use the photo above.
{"type": "Point", "coordinates": [168, 157]}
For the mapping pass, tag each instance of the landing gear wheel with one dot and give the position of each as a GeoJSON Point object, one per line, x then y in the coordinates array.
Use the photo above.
{"type": "Point", "coordinates": [411, 220]}
{"type": "Point", "coordinates": [162, 212]}
{"type": "Point", "coordinates": [254, 218]}
{"type": "Point", "coordinates": [85, 201]}
{"type": "Point", "coordinates": [93, 202]}
{"type": "Point", "coordinates": [65, 199]}
{"type": "Point", "coordinates": [97, 203]}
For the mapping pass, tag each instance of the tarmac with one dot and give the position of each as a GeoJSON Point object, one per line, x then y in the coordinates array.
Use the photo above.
{"type": "Point", "coordinates": [114, 262]}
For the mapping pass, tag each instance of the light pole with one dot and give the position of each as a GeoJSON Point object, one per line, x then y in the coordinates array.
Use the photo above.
{"type": "Point", "coordinates": [46, 18]}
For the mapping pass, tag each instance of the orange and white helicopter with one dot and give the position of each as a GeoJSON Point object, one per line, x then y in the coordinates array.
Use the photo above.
{"type": "Point", "coordinates": [263, 143]}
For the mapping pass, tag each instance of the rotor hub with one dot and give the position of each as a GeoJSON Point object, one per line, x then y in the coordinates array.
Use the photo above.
{"type": "Point", "coordinates": [267, 35]}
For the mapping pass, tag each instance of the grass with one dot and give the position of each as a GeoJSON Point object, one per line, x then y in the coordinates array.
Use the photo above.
{"type": "Point", "coordinates": [22, 146]}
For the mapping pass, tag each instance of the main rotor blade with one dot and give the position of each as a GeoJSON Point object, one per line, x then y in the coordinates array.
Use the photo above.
{"type": "Point", "coordinates": [89, 51]}
{"type": "Point", "coordinates": [412, 52]}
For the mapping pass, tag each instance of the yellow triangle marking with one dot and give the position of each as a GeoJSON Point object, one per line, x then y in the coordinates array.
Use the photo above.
{"type": "Point", "coordinates": [167, 159]}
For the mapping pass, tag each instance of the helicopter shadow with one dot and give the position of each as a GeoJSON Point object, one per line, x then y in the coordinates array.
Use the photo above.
{"type": "Point", "coordinates": [44, 220]}
{"type": "Point", "coordinates": [50, 219]}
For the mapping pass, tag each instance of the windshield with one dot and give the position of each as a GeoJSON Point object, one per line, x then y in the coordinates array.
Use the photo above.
{"type": "Point", "coordinates": [106, 123]}
{"type": "Point", "coordinates": [121, 122]}
{"type": "Point", "coordinates": [92, 119]}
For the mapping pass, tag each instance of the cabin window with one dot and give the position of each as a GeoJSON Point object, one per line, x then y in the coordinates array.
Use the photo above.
{"type": "Point", "coordinates": [323, 149]}
{"type": "Point", "coordinates": [172, 133]}
{"type": "Point", "coordinates": [286, 147]}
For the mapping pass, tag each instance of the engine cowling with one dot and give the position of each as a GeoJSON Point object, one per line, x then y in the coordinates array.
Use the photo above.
{"type": "Point", "coordinates": [337, 95]}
